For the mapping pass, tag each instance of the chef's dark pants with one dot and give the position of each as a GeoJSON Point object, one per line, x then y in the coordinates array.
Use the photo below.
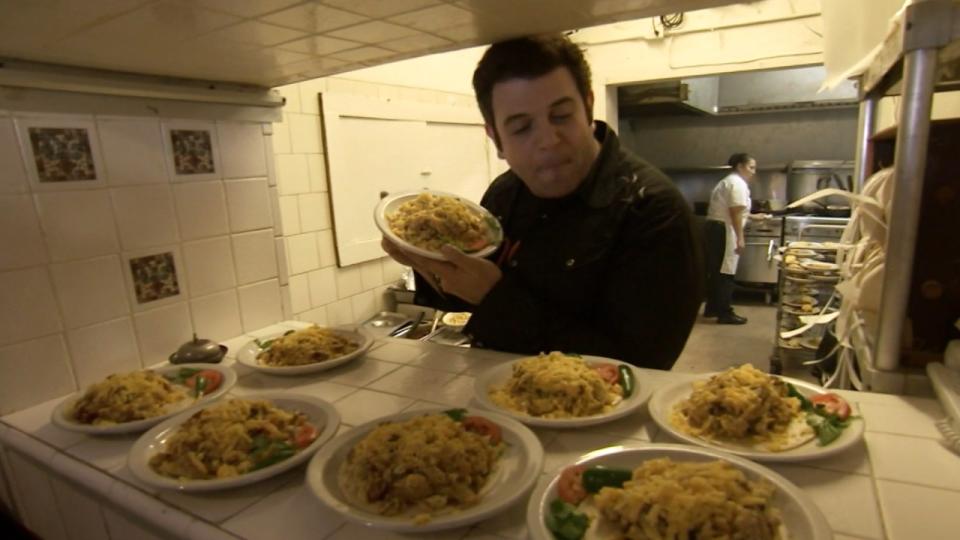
{"type": "Point", "coordinates": [719, 285]}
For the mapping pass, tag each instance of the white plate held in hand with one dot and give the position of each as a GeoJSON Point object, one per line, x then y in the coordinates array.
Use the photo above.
{"type": "Point", "coordinates": [389, 204]}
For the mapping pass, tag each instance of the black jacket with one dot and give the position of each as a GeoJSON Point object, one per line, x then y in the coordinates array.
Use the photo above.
{"type": "Point", "coordinates": [614, 269]}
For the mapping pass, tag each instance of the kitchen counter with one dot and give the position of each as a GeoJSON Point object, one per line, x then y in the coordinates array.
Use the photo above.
{"type": "Point", "coordinates": [900, 482]}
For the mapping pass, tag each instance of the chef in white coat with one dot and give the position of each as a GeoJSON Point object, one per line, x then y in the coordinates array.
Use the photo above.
{"type": "Point", "coordinates": [726, 217]}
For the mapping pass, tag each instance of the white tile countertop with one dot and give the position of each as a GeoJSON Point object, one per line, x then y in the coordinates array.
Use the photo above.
{"type": "Point", "coordinates": [899, 483]}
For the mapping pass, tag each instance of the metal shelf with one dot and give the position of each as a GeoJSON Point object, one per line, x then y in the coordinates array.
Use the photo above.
{"type": "Point", "coordinates": [920, 57]}
{"type": "Point", "coordinates": [930, 24]}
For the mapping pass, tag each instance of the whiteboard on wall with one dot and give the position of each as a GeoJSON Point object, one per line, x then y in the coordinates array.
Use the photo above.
{"type": "Point", "coordinates": [377, 145]}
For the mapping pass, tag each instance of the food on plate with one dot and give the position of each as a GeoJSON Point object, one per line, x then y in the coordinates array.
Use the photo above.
{"type": "Point", "coordinates": [200, 381]}
{"type": "Point", "coordinates": [457, 318]}
{"type": "Point", "coordinates": [424, 466]}
{"type": "Point", "coordinates": [664, 499]}
{"type": "Point", "coordinates": [430, 221]}
{"type": "Point", "coordinates": [233, 438]}
{"type": "Point", "coordinates": [307, 346]}
{"type": "Point", "coordinates": [744, 406]}
{"type": "Point", "coordinates": [128, 397]}
{"type": "Point", "coordinates": [558, 385]}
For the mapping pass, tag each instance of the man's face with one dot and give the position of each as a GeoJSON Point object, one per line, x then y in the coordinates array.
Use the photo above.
{"type": "Point", "coordinates": [748, 170]}
{"type": "Point", "coordinates": [545, 135]}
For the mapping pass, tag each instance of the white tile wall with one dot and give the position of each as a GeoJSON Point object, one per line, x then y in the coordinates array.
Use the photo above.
{"type": "Point", "coordinates": [13, 176]}
{"type": "Point", "coordinates": [371, 275]}
{"type": "Point", "coordinates": [90, 291]}
{"type": "Point", "coordinates": [20, 233]}
{"type": "Point", "coordinates": [133, 150]}
{"type": "Point", "coordinates": [64, 278]}
{"type": "Point", "coordinates": [317, 168]}
{"type": "Point", "coordinates": [161, 331]}
{"type": "Point", "coordinates": [299, 291]}
{"type": "Point", "coordinates": [201, 209]}
{"type": "Point", "coordinates": [302, 253]}
{"type": "Point", "coordinates": [248, 204]}
{"type": "Point", "coordinates": [217, 316]}
{"type": "Point", "coordinates": [28, 309]}
{"type": "Point", "coordinates": [348, 281]}
{"type": "Point", "coordinates": [281, 251]}
{"type": "Point", "coordinates": [260, 304]}
{"type": "Point", "coordinates": [145, 216]}
{"type": "Point", "coordinates": [305, 134]}
{"type": "Point", "coordinates": [81, 513]}
{"type": "Point", "coordinates": [255, 256]}
{"type": "Point", "coordinates": [102, 349]}
{"type": "Point", "coordinates": [34, 371]}
{"type": "Point", "coordinates": [243, 142]}
{"type": "Point", "coordinates": [209, 265]}
{"type": "Point", "coordinates": [78, 224]}
{"type": "Point", "coordinates": [328, 250]}
{"type": "Point", "coordinates": [33, 487]}
{"type": "Point", "coordinates": [323, 286]}
{"type": "Point", "coordinates": [281, 138]}
{"type": "Point", "coordinates": [315, 211]}
{"type": "Point", "coordinates": [289, 215]}
{"type": "Point", "coordinates": [341, 312]}
{"type": "Point", "coordinates": [293, 174]}
{"type": "Point", "coordinates": [365, 305]}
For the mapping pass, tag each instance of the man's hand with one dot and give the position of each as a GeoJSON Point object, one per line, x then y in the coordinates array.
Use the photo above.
{"type": "Point", "coordinates": [740, 246]}
{"type": "Point", "coordinates": [461, 275]}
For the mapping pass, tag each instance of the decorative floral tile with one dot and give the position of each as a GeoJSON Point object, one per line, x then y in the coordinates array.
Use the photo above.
{"type": "Point", "coordinates": [154, 277]}
{"type": "Point", "coordinates": [192, 151]}
{"type": "Point", "coordinates": [61, 151]}
{"type": "Point", "coordinates": [62, 154]}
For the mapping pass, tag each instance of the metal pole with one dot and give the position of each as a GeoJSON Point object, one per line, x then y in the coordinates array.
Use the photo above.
{"type": "Point", "coordinates": [913, 133]}
{"type": "Point", "coordinates": [866, 123]}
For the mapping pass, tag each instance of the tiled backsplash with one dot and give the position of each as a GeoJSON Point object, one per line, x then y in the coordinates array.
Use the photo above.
{"type": "Point", "coordinates": [122, 236]}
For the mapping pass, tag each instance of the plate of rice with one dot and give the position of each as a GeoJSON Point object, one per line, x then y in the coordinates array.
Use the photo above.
{"type": "Point", "coordinates": [304, 350]}
{"type": "Point", "coordinates": [136, 401]}
{"type": "Point", "coordinates": [671, 491]}
{"type": "Point", "coordinates": [427, 470]}
{"type": "Point", "coordinates": [562, 390]}
{"type": "Point", "coordinates": [233, 442]}
{"type": "Point", "coordinates": [753, 414]}
{"type": "Point", "coordinates": [423, 221]}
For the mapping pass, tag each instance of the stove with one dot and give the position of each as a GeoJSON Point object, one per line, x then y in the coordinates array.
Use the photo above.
{"type": "Point", "coordinates": [814, 228]}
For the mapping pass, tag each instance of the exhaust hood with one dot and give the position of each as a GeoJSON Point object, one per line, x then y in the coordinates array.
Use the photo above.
{"type": "Point", "coordinates": [737, 93]}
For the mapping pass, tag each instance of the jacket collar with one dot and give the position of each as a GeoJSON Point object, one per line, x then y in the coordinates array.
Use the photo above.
{"type": "Point", "coordinates": [600, 187]}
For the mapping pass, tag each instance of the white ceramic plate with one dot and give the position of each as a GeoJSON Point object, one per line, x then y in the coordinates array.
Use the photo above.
{"type": "Point", "coordinates": [498, 375]}
{"type": "Point", "coordinates": [799, 244]}
{"type": "Point", "coordinates": [516, 472]}
{"type": "Point", "coordinates": [664, 399]}
{"type": "Point", "coordinates": [799, 300]}
{"type": "Point", "coordinates": [801, 517]}
{"type": "Point", "coordinates": [247, 355]}
{"type": "Point", "coordinates": [320, 413]}
{"type": "Point", "coordinates": [390, 203]}
{"type": "Point", "coordinates": [818, 266]}
{"type": "Point", "coordinates": [61, 417]}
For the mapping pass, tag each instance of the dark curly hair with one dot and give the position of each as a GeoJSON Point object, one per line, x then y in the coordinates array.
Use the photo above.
{"type": "Point", "coordinates": [740, 158]}
{"type": "Point", "coordinates": [528, 58]}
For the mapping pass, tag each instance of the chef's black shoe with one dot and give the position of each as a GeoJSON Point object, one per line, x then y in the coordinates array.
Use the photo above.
{"type": "Point", "coordinates": [731, 318]}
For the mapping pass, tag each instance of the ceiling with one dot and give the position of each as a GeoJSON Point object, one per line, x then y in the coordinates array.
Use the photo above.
{"type": "Point", "coordinates": [273, 42]}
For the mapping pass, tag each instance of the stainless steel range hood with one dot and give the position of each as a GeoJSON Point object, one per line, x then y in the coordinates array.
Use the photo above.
{"type": "Point", "coordinates": [763, 91]}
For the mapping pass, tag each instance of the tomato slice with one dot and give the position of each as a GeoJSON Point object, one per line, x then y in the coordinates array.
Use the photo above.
{"type": "Point", "coordinates": [832, 404]}
{"type": "Point", "coordinates": [570, 485]}
{"type": "Point", "coordinates": [608, 372]}
{"type": "Point", "coordinates": [212, 377]}
{"type": "Point", "coordinates": [482, 426]}
{"type": "Point", "coordinates": [305, 435]}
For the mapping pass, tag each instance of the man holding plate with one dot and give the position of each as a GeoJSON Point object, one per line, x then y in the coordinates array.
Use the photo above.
{"type": "Point", "coordinates": [600, 254]}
